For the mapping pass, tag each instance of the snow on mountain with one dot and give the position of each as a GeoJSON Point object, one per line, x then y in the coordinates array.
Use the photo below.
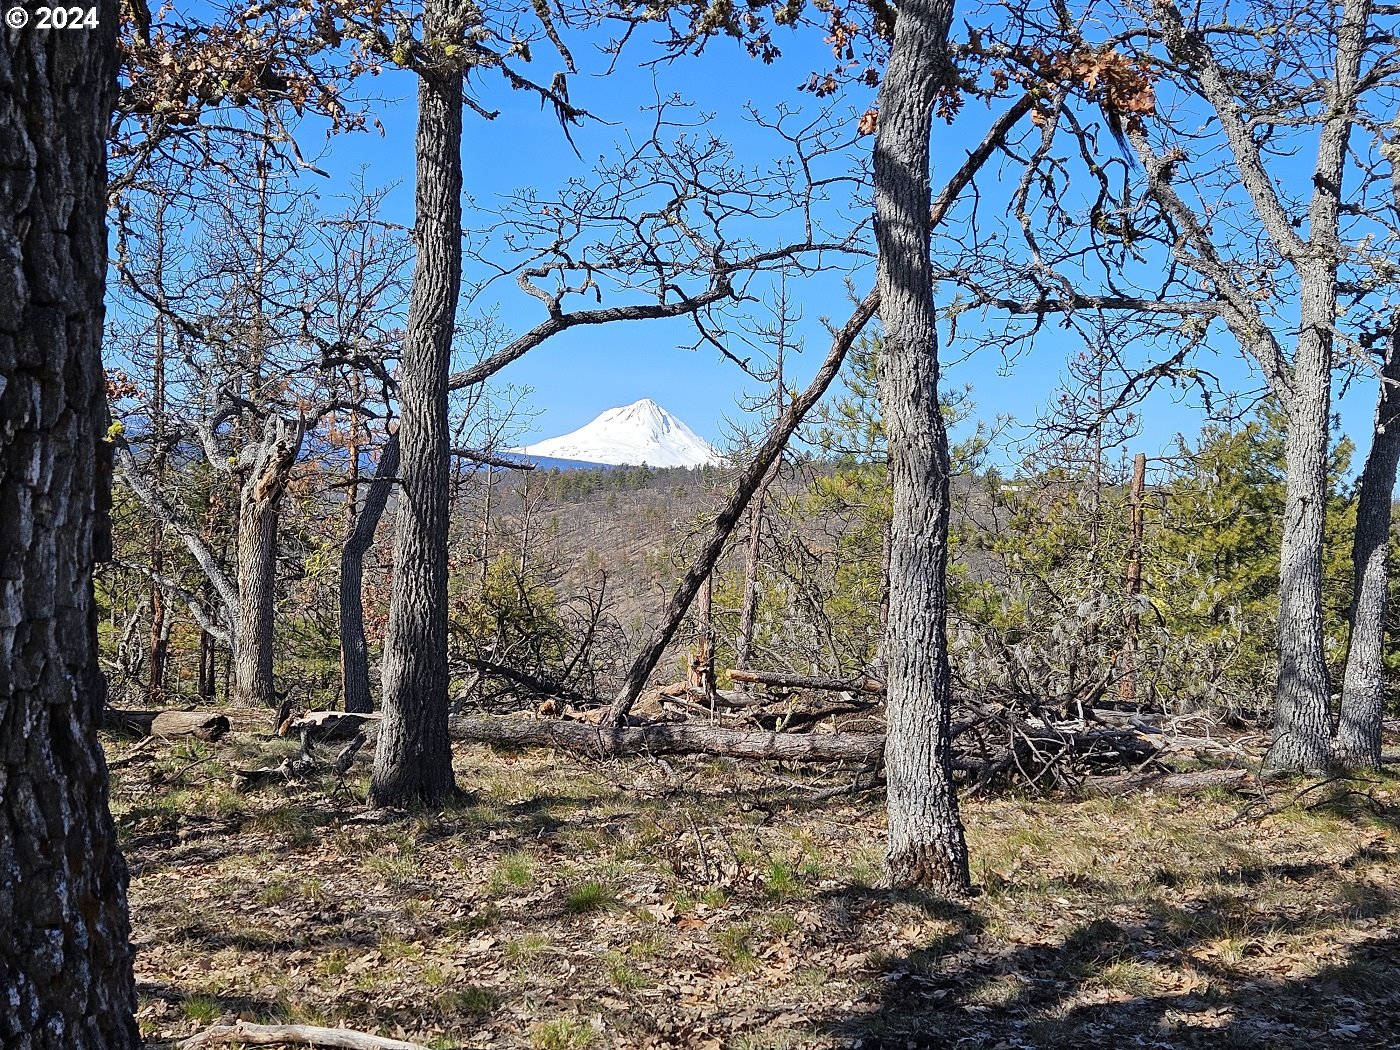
{"type": "Point", "coordinates": [640, 433]}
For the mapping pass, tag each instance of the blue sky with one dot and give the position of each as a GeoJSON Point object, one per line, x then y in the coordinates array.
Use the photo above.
{"type": "Point", "coordinates": [578, 375]}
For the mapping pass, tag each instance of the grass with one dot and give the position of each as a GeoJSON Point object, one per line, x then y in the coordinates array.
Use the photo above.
{"type": "Point", "coordinates": [514, 871]}
{"type": "Point", "coordinates": [563, 1033]}
{"type": "Point", "coordinates": [623, 974]}
{"type": "Point", "coordinates": [203, 1009]}
{"type": "Point", "coordinates": [590, 896]}
{"type": "Point", "coordinates": [392, 869]}
{"type": "Point", "coordinates": [469, 1001]}
{"type": "Point", "coordinates": [527, 948]}
{"type": "Point", "coordinates": [735, 944]}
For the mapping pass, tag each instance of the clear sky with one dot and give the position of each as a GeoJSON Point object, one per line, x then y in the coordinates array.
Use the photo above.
{"type": "Point", "coordinates": [575, 377]}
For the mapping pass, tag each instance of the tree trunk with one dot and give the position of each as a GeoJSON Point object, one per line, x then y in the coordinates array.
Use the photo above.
{"type": "Point", "coordinates": [1357, 744]}
{"type": "Point", "coordinates": [1132, 582]}
{"type": "Point", "coordinates": [749, 610]}
{"type": "Point", "coordinates": [207, 649]}
{"type": "Point", "coordinates": [413, 759]}
{"type": "Point", "coordinates": [728, 517]}
{"type": "Point", "coordinates": [354, 653]}
{"type": "Point", "coordinates": [926, 844]}
{"type": "Point", "coordinates": [1302, 723]}
{"type": "Point", "coordinates": [155, 685]}
{"type": "Point", "coordinates": [65, 959]}
{"type": "Point", "coordinates": [1302, 726]}
{"type": "Point", "coordinates": [259, 513]}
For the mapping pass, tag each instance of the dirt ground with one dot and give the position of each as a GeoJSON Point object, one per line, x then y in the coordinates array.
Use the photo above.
{"type": "Point", "coordinates": [565, 904]}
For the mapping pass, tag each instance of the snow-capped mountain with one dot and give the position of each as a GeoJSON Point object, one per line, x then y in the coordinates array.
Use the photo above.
{"type": "Point", "coordinates": [640, 433]}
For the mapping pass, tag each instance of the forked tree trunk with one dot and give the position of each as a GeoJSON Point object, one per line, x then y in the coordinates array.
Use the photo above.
{"type": "Point", "coordinates": [354, 653]}
{"type": "Point", "coordinates": [65, 960]}
{"type": "Point", "coordinates": [1357, 744]}
{"type": "Point", "coordinates": [259, 513]}
{"type": "Point", "coordinates": [413, 758]}
{"type": "Point", "coordinates": [926, 844]}
{"type": "Point", "coordinates": [1302, 723]}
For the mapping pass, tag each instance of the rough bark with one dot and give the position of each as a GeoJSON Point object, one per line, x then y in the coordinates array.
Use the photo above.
{"type": "Point", "coordinates": [155, 685]}
{"type": "Point", "coordinates": [926, 844]}
{"type": "Point", "coordinates": [354, 653]}
{"type": "Point", "coordinates": [749, 609]}
{"type": "Point", "coordinates": [65, 961]}
{"type": "Point", "coordinates": [1357, 743]}
{"type": "Point", "coordinates": [259, 514]}
{"type": "Point", "coordinates": [413, 759]}
{"type": "Point", "coordinates": [1302, 725]}
{"type": "Point", "coordinates": [748, 483]}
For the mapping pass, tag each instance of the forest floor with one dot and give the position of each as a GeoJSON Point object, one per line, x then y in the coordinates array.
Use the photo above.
{"type": "Point", "coordinates": [565, 904]}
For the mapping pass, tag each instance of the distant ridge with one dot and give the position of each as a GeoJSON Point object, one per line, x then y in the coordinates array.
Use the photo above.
{"type": "Point", "coordinates": [642, 433]}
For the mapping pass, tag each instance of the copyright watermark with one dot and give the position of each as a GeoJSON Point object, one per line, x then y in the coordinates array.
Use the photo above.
{"type": "Point", "coordinates": [52, 17]}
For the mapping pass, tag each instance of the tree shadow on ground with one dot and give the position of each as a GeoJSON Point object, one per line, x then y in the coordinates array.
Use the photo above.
{"type": "Point", "coordinates": [1212, 969]}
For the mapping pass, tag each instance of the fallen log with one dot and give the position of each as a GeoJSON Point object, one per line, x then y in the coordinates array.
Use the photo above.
{"type": "Point", "coordinates": [671, 738]}
{"type": "Point", "coordinates": [797, 681]}
{"type": "Point", "coordinates": [329, 725]}
{"type": "Point", "coordinates": [1166, 783]}
{"type": "Point", "coordinates": [168, 725]}
{"type": "Point", "coordinates": [246, 1033]}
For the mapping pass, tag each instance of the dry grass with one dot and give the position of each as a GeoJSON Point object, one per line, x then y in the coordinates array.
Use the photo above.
{"type": "Point", "coordinates": [577, 906]}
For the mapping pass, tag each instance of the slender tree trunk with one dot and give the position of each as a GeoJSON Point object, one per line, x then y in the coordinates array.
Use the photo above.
{"type": "Point", "coordinates": [1302, 725]}
{"type": "Point", "coordinates": [259, 513]}
{"type": "Point", "coordinates": [65, 960]}
{"type": "Point", "coordinates": [155, 687]}
{"type": "Point", "coordinates": [206, 667]}
{"type": "Point", "coordinates": [413, 758]}
{"type": "Point", "coordinates": [702, 665]}
{"type": "Point", "coordinates": [1132, 581]}
{"type": "Point", "coordinates": [926, 844]}
{"type": "Point", "coordinates": [354, 653]}
{"type": "Point", "coordinates": [749, 610]}
{"type": "Point", "coordinates": [1357, 744]}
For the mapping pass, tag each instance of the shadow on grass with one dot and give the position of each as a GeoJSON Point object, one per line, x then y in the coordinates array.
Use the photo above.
{"type": "Point", "coordinates": [1176, 975]}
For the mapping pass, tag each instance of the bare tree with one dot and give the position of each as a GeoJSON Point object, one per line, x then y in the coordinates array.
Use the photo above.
{"type": "Point", "coordinates": [1216, 223]}
{"type": "Point", "coordinates": [268, 325]}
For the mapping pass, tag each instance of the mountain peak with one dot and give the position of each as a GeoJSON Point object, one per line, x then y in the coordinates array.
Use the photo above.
{"type": "Point", "coordinates": [631, 435]}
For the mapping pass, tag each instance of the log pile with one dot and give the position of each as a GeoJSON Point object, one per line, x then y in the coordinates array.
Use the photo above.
{"type": "Point", "coordinates": [790, 718]}
{"type": "Point", "coordinates": [995, 748]}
